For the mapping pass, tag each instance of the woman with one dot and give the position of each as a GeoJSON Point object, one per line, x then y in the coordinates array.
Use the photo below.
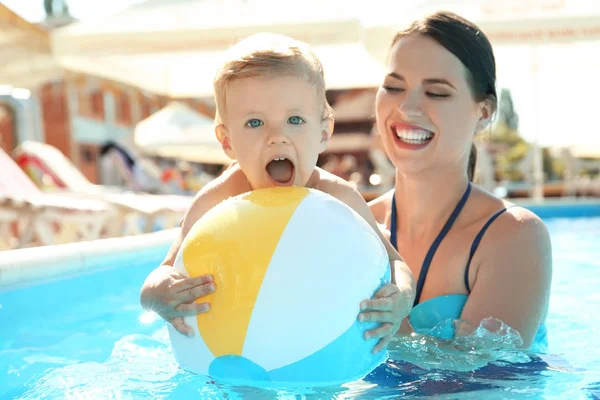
{"type": "Point", "coordinates": [474, 256]}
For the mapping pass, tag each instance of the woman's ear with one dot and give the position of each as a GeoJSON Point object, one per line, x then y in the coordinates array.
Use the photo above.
{"type": "Point", "coordinates": [486, 111]}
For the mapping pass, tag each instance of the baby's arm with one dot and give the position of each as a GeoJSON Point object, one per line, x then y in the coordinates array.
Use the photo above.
{"type": "Point", "coordinates": [393, 302]}
{"type": "Point", "coordinates": [170, 294]}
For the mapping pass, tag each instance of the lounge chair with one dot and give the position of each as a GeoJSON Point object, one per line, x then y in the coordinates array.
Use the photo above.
{"type": "Point", "coordinates": [31, 217]}
{"type": "Point", "coordinates": [138, 212]}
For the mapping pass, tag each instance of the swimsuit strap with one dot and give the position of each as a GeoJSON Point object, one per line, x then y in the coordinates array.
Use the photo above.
{"type": "Point", "coordinates": [476, 242]}
{"type": "Point", "coordinates": [436, 242]}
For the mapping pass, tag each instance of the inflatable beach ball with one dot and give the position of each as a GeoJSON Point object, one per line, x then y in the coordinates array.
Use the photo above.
{"type": "Point", "coordinates": [291, 266]}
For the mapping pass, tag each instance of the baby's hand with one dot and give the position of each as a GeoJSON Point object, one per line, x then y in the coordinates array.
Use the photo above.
{"type": "Point", "coordinates": [172, 296]}
{"type": "Point", "coordinates": [389, 306]}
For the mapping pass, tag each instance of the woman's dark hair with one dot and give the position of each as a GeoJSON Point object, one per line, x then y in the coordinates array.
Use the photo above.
{"type": "Point", "coordinates": [470, 45]}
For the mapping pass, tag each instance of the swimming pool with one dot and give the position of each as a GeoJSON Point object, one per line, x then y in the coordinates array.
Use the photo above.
{"type": "Point", "coordinates": [71, 327]}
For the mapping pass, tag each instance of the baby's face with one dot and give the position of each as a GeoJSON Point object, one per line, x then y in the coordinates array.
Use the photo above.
{"type": "Point", "coordinates": [273, 127]}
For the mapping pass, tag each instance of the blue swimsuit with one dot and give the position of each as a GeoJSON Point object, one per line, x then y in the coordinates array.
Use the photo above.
{"type": "Point", "coordinates": [439, 312]}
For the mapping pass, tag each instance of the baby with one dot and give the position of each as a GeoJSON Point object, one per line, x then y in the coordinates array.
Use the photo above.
{"type": "Point", "coordinates": [273, 120]}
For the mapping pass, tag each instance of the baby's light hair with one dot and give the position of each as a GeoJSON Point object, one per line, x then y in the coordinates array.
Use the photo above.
{"type": "Point", "coordinates": [269, 55]}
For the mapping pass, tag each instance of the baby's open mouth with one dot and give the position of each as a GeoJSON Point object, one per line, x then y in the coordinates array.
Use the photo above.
{"type": "Point", "coordinates": [281, 170]}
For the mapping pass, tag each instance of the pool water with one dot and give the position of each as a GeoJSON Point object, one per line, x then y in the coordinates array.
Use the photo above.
{"type": "Point", "coordinates": [87, 337]}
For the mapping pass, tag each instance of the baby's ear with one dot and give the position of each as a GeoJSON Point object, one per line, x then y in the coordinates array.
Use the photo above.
{"type": "Point", "coordinates": [223, 137]}
{"type": "Point", "coordinates": [326, 132]}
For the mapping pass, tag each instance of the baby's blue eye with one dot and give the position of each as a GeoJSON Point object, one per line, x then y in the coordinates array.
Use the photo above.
{"type": "Point", "coordinates": [254, 123]}
{"type": "Point", "coordinates": [295, 120]}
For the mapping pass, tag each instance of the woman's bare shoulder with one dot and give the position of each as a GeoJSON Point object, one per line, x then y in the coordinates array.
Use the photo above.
{"type": "Point", "coordinates": [380, 206]}
{"type": "Point", "coordinates": [515, 231]}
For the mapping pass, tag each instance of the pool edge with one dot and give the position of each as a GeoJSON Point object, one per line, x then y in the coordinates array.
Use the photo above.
{"type": "Point", "coordinates": [36, 265]}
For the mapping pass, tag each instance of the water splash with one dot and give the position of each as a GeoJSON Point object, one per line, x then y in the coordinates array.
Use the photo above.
{"type": "Point", "coordinates": [473, 347]}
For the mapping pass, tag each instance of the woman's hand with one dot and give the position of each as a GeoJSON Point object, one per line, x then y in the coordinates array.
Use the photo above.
{"type": "Point", "coordinates": [389, 306]}
{"type": "Point", "coordinates": [172, 296]}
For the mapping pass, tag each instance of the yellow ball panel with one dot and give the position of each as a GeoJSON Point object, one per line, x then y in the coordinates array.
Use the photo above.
{"type": "Point", "coordinates": [235, 242]}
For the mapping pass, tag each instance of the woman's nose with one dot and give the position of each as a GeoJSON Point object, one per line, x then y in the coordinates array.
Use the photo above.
{"type": "Point", "coordinates": [411, 106]}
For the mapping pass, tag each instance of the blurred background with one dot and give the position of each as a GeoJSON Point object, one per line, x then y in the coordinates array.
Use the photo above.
{"type": "Point", "coordinates": [117, 93]}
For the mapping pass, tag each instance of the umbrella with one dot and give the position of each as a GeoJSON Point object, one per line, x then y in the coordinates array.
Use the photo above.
{"type": "Point", "coordinates": [177, 131]}
{"type": "Point", "coordinates": [26, 59]}
{"type": "Point", "coordinates": [174, 48]}
{"type": "Point", "coordinates": [507, 22]}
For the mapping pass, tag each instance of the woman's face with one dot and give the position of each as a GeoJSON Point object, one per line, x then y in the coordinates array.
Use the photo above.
{"type": "Point", "coordinates": [426, 113]}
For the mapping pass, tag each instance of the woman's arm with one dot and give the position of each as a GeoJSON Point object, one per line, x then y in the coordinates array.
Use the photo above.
{"type": "Point", "coordinates": [512, 285]}
{"type": "Point", "coordinates": [514, 274]}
